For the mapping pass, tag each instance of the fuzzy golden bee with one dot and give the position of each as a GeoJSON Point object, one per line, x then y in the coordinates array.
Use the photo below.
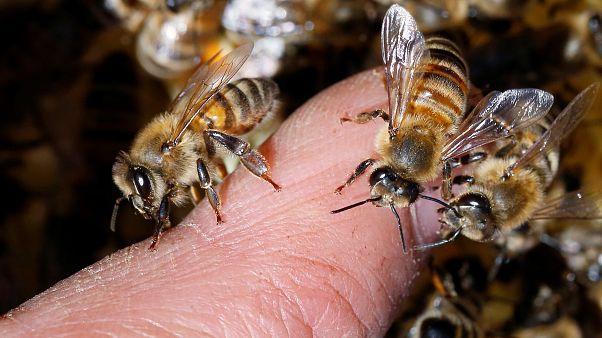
{"type": "Point", "coordinates": [509, 188]}
{"type": "Point", "coordinates": [427, 82]}
{"type": "Point", "coordinates": [428, 88]}
{"type": "Point", "coordinates": [178, 152]}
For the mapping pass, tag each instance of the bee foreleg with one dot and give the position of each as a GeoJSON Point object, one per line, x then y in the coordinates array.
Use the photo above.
{"type": "Point", "coordinates": [250, 158]}
{"type": "Point", "coordinates": [206, 183]}
{"type": "Point", "coordinates": [473, 157]}
{"type": "Point", "coordinates": [446, 191]}
{"type": "Point", "coordinates": [463, 179]}
{"type": "Point", "coordinates": [359, 170]}
{"type": "Point", "coordinates": [367, 116]}
{"type": "Point", "coordinates": [162, 221]}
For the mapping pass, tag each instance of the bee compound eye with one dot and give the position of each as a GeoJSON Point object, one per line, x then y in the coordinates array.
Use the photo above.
{"type": "Point", "coordinates": [142, 182]}
{"type": "Point", "coordinates": [475, 200]}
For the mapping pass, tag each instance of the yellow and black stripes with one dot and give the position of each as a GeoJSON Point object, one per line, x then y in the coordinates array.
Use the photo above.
{"type": "Point", "coordinates": [238, 106]}
{"type": "Point", "coordinates": [442, 92]}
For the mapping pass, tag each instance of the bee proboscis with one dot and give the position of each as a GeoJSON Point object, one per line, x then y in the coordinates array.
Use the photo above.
{"type": "Point", "coordinates": [177, 153]}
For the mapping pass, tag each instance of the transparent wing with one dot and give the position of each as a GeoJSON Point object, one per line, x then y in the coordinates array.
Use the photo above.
{"type": "Point", "coordinates": [403, 50]}
{"type": "Point", "coordinates": [496, 116]}
{"type": "Point", "coordinates": [572, 205]}
{"type": "Point", "coordinates": [203, 84]}
{"type": "Point", "coordinates": [564, 123]}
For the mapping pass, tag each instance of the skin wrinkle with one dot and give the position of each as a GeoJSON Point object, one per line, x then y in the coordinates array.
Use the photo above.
{"type": "Point", "coordinates": [291, 301]}
{"type": "Point", "coordinates": [326, 281]}
{"type": "Point", "coordinates": [349, 282]}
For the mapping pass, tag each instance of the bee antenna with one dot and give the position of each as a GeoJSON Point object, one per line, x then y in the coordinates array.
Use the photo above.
{"type": "Point", "coordinates": [357, 204]}
{"type": "Point", "coordinates": [445, 205]}
{"type": "Point", "coordinates": [403, 241]}
{"type": "Point", "coordinates": [115, 209]}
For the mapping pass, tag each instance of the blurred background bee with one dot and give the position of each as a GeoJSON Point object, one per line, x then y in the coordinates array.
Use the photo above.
{"type": "Point", "coordinates": [532, 293]}
{"type": "Point", "coordinates": [172, 37]}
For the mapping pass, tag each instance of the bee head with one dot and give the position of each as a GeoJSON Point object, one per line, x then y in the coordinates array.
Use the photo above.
{"type": "Point", "coordinates": [140, 185]}
{"type": "Point", "coordinates": [472, 212]}
{"type": "Point", "coordinates": [387, 183]}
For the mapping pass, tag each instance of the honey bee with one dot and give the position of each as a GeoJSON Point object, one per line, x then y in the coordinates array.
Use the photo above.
{"type": "Point", "coordinates": [507, 190]}
{"type": "Point", "coordinates": [428, 89]}
{"type": "Point", "coordinates": [177, 150]}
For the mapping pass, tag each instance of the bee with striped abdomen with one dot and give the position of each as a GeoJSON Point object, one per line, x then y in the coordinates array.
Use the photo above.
{"type": "Point", "coordinates": [427, 83]}
{"type": "Point", "coordinates": [508, 189]}
{"type": "Point", "coordinates": [178, 150]}
{"type": "Point", "coordinates": [428, 88]}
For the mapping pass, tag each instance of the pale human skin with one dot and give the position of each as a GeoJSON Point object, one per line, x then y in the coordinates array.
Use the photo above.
{"type": "Point", "coordinates": [281, 264]}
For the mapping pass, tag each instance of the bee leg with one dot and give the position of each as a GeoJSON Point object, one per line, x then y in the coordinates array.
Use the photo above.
{"type": "Point", "coordinates": [366, 116]}
{"type": "Point", "coordinates": [473, 157]}
{"type": "Point", "coordinates": [453, 237]}
{"type": "Point", "coordinates": [359, 170]}
{"type": "Point", "coordinates": [448, 166]}
{"type": "Point", "coordinates": [162, 221]}
{"type": "Point", "coordinates": [206, 184]}
{"type": "Point", "coordinates": [463, 179]}
{"type": "Point", "coordinates": [250, 158]}
{"type": "Point", "coordinates": [446, 182]}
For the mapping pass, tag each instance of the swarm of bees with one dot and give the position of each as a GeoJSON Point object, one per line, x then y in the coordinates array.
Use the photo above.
{"type": "Point", "coordinates": [506, 143]}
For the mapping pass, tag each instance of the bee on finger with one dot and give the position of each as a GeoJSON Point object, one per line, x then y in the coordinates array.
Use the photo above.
{"type": "Point", "coordinates": [508, 189]}
{"type": "Point", "coordinates": [427, 83]}
{"type": "Point", "coordinates": [177, 152]}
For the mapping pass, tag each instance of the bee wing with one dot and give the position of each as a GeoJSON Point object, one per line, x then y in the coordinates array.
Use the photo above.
{"type": "Point", "coordinates": [403, 50]}
{"type": "Point", "coordinates": [496, 116]}
{"type": "Point", "coordinates": [572, 205]}
{"type": "Point", "coordinates": [564, 123]}
{"type": "Point", "coordinates": [203, 84]}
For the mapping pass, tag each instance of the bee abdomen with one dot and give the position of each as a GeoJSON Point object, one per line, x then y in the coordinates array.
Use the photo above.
{"type": "Point", "coordinates": [443, 90]}
{"type": "Point", "coordinates": [241, 105]}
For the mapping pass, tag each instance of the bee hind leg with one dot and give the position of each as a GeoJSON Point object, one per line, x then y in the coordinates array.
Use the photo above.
{"type": "Point", "coordinates": [250, 158]}
{"type": "Point", "coordinates": [206, 184]}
